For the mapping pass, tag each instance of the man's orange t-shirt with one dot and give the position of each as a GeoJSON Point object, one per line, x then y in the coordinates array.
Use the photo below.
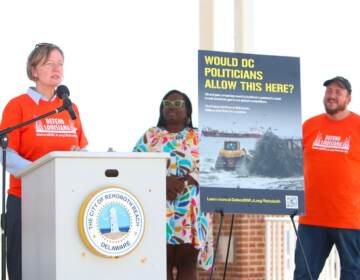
{"type": "Point", "coordinates": [332, 172]}
{"type": "Point", "coordinates": [54, 133]}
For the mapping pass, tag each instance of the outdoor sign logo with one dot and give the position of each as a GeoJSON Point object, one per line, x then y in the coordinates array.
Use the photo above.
{"type": "Point", "coordinates": [111, 222]}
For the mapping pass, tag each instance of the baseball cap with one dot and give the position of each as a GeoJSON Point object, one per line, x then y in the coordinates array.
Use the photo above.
{"type": "Point", "coordinates": [341, 81]}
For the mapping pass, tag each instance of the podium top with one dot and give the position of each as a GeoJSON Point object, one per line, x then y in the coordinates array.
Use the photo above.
{"type": "Point", "coordinates": [89, 155]}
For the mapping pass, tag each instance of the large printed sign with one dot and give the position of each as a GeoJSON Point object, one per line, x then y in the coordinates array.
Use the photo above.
{"type": "Point", "coordinates": [250, 133]}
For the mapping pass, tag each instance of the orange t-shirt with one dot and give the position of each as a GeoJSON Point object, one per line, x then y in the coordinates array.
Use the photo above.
{"type": "Point", "coordinates": [332, 172]}
{"type": "Point", "coordinates": [54, 133]}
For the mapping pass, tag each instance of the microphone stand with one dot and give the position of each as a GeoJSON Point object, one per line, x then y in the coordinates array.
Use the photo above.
{"type": "Point", "coordinates": [4, 143]}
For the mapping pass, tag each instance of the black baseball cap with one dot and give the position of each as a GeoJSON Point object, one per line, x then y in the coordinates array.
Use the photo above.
{"type": "Point", "coordinates": [341, 81]}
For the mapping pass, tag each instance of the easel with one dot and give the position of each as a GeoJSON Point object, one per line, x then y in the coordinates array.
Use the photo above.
{"type": "Point", "coordinates": [217, 243]}
{"type": "Point", "coordinates": [221, 213]}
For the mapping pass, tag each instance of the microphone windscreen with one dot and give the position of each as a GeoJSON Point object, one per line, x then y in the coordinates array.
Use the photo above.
{"type": "Point", "coordinates": [62, 90]}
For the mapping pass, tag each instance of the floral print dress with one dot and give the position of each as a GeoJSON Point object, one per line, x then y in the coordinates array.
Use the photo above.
{"type": "Point", "coordinates": [185, 222]}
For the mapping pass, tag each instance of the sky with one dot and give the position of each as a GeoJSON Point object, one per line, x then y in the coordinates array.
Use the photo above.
{"type": "Point", "coordinates": [322, 33]}
{"type": "Point", "coordinates": [121, 57]}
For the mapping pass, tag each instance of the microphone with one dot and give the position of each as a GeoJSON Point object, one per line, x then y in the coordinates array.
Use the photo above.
{"type": "Point", "coordinates": [63, 93]}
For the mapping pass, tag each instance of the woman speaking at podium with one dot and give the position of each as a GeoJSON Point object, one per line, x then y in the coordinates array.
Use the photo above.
{"type": "Point", "coordinates": [188, 230]}
{"type": "Point", "coordinates": [57, 132]}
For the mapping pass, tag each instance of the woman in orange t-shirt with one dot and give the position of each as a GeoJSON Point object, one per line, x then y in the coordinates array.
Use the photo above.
{"type": "Point", "coordinates": [57, 132]}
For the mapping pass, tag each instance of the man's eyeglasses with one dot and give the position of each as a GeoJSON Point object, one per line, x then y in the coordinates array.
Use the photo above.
{"type": "Point", "coordinates": [177, 104]}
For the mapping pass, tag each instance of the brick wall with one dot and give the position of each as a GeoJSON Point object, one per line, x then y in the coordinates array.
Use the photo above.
{"type": "Point", "coordinates": [247, 261]}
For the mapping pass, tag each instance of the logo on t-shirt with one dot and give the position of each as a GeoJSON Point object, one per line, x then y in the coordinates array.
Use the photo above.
{"type": "Point", "coordinates": [55, 127]}
{"type": "Point", "coordinates": [331, 143]}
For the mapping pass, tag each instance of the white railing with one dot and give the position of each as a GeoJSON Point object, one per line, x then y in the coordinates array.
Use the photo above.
{"type": "Point", "coordinates": [280, 240]}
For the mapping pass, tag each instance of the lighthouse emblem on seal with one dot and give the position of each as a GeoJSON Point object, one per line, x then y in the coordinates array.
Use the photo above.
{"type": "Point", "coordinates": [111, 222]}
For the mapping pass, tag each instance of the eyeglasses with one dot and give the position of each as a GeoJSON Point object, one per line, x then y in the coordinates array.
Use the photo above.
{"type": "Point", "coordinates": [53, 65]}
{"type": "Point", "coordinates": [176, 104]}
{"type": "Point", "coordinates": [48, 45]}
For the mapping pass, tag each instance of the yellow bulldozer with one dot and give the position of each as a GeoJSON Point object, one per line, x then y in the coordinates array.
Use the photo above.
{"type": "Point", "coordinates": [233, 157]}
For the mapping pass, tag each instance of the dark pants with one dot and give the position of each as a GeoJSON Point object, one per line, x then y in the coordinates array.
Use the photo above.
{"type": "Point", "coordinates": [13, 233]}
{"type": "Point", "coordinates": [318, 242]}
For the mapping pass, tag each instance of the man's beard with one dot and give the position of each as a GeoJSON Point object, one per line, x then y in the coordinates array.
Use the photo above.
{"type": "Point", "coordinates": [339, 108]}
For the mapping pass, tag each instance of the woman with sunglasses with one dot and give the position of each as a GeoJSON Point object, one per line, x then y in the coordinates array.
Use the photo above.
{"type": "Point", "coordinates": [188, 230]}
{"type": "Point", "coordinates": [57, 132]}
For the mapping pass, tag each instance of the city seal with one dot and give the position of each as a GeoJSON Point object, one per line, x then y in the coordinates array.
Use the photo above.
{"type": "Point", "coordinates": [111, 222]}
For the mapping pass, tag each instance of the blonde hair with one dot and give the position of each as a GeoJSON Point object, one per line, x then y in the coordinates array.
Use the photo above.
{"type": "Point", "coordinates": [40, 53]}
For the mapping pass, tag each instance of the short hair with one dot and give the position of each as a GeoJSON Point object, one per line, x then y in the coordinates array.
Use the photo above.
{"type": "Point", "coordinates": [340, 81]}
{"type": "Point", "coordinates": [188, 107]}
{"type": "Point", "coordinates": [40, 53]}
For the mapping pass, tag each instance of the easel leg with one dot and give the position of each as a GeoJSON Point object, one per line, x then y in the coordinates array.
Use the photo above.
{"type": "Point", "coordinates": [217, 243]}
{"type": "Point", "coordinates": [301, 246]}
{"type": "Point", "coordinates": [228, 246]}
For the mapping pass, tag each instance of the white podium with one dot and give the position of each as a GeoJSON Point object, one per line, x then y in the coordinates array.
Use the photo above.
{"type": "Point", "coordinates": [94, 216]}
